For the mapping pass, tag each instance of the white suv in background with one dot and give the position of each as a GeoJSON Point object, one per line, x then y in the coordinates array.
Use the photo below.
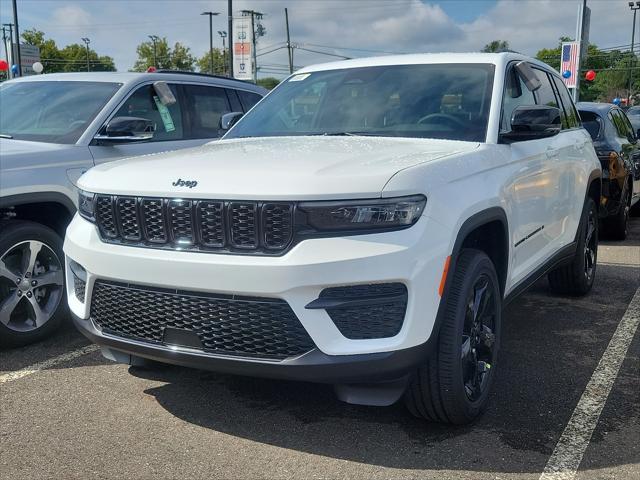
{"type": "Point", "coordinates": [363, 226]}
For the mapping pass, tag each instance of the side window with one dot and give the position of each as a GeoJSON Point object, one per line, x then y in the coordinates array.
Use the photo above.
{"type": "Point", "coordinates": [207, 105]}
{"type": "Point", "coordinates": [545, 95]}
{"type": "Point", "coordinates": [570, 117]}
{"type": "Point", "coordinates": [631, 132]}
{"type": "Point", "coordinates": [515, 95]}
{"type": "Point", "coordinates": [248, 99]}
{"type": "Point", "coordinates": [144, 103]}
{"type": "Point", "coordinates": [621, 127]}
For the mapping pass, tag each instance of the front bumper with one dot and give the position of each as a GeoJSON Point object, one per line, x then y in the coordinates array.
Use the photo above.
{"type": "Point", "coordinates": [414, 257]}
{"type": "Point", "coordinates": [313, 366]}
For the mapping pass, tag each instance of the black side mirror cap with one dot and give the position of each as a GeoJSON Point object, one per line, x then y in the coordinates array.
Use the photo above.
{"type": "Point", "coordinates": [126, 129]}
{"type": "Point", "coordinates": [532, 122]}
{"type": "Point", "coordinates": [228, 120]}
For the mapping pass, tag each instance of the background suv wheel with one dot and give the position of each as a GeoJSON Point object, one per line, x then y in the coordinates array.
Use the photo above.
{"type": "Point", "coordinates": [31, 282]}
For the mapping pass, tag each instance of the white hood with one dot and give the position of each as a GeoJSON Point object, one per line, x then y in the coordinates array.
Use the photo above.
{"type": "Point", "coordinates": [275, 168]}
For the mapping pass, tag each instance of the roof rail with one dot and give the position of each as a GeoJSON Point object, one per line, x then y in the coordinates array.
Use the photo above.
{"type": "Point", "coordinates": [201, 74]}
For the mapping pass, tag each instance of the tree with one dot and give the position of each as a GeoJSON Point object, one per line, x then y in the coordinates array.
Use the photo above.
{"type": "Point", "coordinates": [178, 58]}
{"type": "Point", "coordinates": [219, 65]}
{"type": "Point", "coordinates": [72, 58]}
{"type": "Point", "coordinates": [496, 46]}
{"type": "Point", "coordinates": [268, 82]}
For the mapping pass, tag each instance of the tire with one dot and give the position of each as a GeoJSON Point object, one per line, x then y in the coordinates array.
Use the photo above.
{"type": "Point", "coordinates": [443, 388]}
{"type": "Point", "coordinates": [577, 277]}
{"type": "Point", "coordinates": [618, 225]}
{"type": "Point", "coordinates": [32, 291]}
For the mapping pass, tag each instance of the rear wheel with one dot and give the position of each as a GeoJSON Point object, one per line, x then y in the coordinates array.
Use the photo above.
{"type": "Point", "coordinates": [618, 225]}
{"type": "Point", "coordinates": [576, 278]}
{"type": "Point", "coordinates": [454, 383]}
{"type": "Point", "coordinates": [31, 282]}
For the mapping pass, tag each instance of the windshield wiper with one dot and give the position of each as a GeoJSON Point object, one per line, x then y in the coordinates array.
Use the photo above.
{"type": "Point", "coordinates": [5, 135]}
{"type": "Point", "coordinates": [348, 134]}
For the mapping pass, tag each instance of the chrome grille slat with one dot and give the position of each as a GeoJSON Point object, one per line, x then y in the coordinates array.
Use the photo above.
{"type": "Point", "coordinates": [196, 225]}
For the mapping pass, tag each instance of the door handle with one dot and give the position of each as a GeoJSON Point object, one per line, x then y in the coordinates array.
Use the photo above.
{"type": "Point", "coordinates": [550, 152]}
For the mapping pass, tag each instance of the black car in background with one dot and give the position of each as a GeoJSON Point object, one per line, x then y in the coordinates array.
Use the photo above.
{"type": "Point", "coordinates": [616, 143]}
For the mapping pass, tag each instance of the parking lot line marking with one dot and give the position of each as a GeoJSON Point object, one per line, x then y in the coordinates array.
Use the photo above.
{"type": "Point", "coordinates": [567, 455]}
{"type": "Point", "coordinates": [36, 367]}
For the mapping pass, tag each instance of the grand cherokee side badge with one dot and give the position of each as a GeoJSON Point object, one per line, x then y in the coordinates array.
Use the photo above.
{"type": "Point", "coordinates": [185, 183]}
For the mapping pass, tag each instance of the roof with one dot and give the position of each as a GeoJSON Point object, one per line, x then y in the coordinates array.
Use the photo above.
{"type": "Point", "coordinates": [136, 77]}
{"type": "Point", "coordinates": [498, 59]}
{"type": "Point", "coordinates": [595, 107]}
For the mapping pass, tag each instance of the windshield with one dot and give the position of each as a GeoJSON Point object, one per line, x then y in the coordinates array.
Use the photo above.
{"type": "Point", "coordinates": [449, 101]}
{"type": "Point", "coordinates": [48, 111]}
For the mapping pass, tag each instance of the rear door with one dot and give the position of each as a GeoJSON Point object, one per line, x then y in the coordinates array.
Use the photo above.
{"type": "Point", "coordinates": [576, 149]}
{"type": "Point", "coordinates": [205, 105]}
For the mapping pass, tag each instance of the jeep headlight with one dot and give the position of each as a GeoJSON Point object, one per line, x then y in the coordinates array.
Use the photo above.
{"type": "Point", "coordinates": [359, 215]}
{"type": "Point", "coordinates": [87, 205]}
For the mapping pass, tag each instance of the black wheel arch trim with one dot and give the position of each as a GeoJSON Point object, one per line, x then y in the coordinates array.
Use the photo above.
{"type": "Point", "coordinates": [38, 197]}
{"type": "Point", "coordinates": [475, 221]}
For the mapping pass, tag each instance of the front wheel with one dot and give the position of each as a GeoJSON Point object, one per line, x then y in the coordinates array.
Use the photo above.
{"type": "Point", "coordinates": [31, 282]}
{"type": "Point", "coordinates": [454, 383]}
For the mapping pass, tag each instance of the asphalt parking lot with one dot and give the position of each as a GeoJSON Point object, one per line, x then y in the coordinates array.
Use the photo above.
{"type": "Point", "coordinates": [80, 416]}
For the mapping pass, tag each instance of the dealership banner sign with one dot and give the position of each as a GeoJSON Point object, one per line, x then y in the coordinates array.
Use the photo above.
{"type": "Point", "coordinates": [243, 67]}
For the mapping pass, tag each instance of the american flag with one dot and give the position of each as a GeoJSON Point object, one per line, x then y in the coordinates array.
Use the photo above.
{"type": "Point", "coordinates": [569, 62]}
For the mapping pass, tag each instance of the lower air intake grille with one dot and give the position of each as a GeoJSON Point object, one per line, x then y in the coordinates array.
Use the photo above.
{"type": "Point", "coordinates": [381, 317]}
{"type": "Point", "coordinates": [253, 327]}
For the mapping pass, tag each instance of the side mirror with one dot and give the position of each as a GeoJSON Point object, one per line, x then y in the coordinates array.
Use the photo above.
{"type": "Point", "coordinates": [228, 120]}
{"type": "Point", "coordinates": [532, 122]}
{"type": "Point", "coordinates": [126, 130]}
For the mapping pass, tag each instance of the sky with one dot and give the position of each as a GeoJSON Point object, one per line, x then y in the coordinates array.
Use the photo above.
{"type": "Point", "coordinates": [352, 28]}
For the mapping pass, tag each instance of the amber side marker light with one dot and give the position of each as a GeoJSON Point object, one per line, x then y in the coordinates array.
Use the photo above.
{"type": "Point", "coordinates": [443, 280]}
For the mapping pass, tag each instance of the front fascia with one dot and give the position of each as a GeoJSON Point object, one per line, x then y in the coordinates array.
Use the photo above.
{"type": "Point", "coordinates": [414, 256]}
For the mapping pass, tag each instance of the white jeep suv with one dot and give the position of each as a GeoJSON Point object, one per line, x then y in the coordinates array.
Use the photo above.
{"type": "Point", "coordinates": [363, 225]}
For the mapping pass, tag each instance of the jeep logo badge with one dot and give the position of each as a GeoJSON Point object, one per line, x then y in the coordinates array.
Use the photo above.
{"type": "Point", "coordinates": [184, 183]}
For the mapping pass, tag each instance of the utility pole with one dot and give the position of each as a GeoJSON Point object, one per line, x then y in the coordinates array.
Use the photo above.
{"type": "Point", "coordinates": [289, 48]}
{"type": "Point", "coordinates": [632, 60]}
{"type": "Point", "coordinates": [580, 28]}
{"type": "Point", "coordinates": [223, 35]}
{"type": "Point", "coordinates": [86, 44]}
{"type": "Point", "coordinates": [231, 39]}
{"type": "Point", "coordinates": [154, 39]}
{"type": "Point", "coordinates": [15, 23]}
{"type": "Point", "coordinates": [211, 15]}
{"type": "Point", "coordinates": [254, 15]}
{"type": "Point", "coordinates": [9, 27]}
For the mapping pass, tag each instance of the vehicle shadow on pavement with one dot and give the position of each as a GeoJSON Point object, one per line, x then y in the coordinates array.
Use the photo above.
{"type": "Point", "coordinates": [551, 345]}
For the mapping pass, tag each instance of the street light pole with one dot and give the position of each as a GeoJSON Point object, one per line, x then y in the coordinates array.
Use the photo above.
{"type": "Point", "coordinates": [154, 39]}
{"type": "Point", "coordinates": [230, 32]}
{"type": "Point", "coordinates": [86, 44]}
{"type": "Point", "coordinates": [223, 35]}
{"type": "Point", "coordinates": [211, 14]}
{"type": "Point", "coordinates": [634, 8]}
{"type": "Point", "coordinates": [18, 59]}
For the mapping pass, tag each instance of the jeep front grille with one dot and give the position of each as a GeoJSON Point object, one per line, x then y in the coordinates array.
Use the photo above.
{"type": "Point", "coordinates": [201, 225]}
{"type": "Point", "coordinates": [223, 324]}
